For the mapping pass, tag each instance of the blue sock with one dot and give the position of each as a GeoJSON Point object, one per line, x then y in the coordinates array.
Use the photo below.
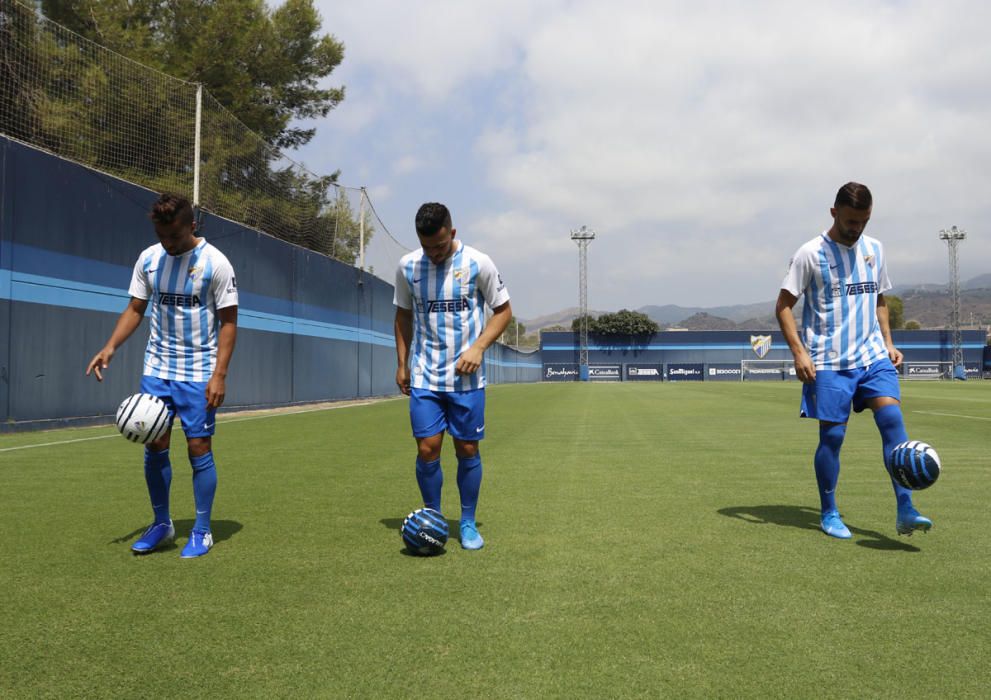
{"type": "Point", "coordinates": [204, 488]}
{"type": "Point", "coordinates": [158, 476]}
{"type": "Point", "coordinates": [892, 426]}
{"type": "Point", "coordinates": [430, 477]}
{"type": "Point", "coordinates": [827, 463]}
{"type": "Point", "coordinates": [469, 483]}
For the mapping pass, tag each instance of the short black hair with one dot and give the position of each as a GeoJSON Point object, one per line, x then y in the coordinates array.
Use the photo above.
{"type": "Point", "coordinates": [171, 207]}
{"type": "Point", "coordinates": [431, 218]}
{"type": "Point", "coordinates": [855, 196]}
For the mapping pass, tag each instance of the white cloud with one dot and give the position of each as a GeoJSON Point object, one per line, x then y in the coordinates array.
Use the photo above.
{"type": "Point", "coordinates": [704, 141]}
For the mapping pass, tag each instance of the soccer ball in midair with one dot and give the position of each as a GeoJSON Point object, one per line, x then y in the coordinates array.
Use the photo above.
{"type": "Point", "coordinates": [914, 464]}
{"type": "Point", "coordinates": [425, 532]}
{"type": "Point", "coordinates": [142, 418]}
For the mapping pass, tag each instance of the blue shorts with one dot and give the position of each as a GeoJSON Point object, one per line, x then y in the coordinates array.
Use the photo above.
{"type": "Point", "coordinates": [835, 391]}
{"type": "Point", "coordinates": [186, 400]}
{"type": "Point", "coordinates": [461, 413]}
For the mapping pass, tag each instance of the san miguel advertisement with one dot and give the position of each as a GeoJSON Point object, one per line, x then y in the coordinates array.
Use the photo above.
{"type": "Point", "coordinates": [645, 372]}
{"type": "Point", "coordinates": [560, 372]}
{"type": "Point", "coordinates": [684, 372]}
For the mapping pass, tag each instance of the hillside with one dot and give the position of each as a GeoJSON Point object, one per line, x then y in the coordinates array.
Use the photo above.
{"type": "Point", "coordinates": [929, 304]}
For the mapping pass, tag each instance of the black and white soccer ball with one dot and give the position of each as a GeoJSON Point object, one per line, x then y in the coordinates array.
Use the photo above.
{"type": "Point", "coordinates": [425, 532]}
{"type": "Point", "coordinates": [142, 418]}
{"type": "Point", "coordinates": [914, 464]}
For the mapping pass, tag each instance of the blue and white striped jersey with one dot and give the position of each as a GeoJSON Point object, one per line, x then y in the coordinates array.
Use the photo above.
{"type": "Point", "coordinates": [448, 303]}
{"type": "Point", "coordinates": [841, 286]}
{"type": "Point", "coordinates": [185, 292]}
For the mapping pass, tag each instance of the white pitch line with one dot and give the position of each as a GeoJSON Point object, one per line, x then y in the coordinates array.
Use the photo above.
{"type": "Point", "coordinates": [232, 420]}
{"type": "Point", "coordinates": [60, 442]}
{"type": "Point", "coordinates": [952, 415]}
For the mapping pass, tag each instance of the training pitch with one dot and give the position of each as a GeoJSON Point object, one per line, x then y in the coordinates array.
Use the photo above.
{"type": "Point", "coordinates": [642, 540]}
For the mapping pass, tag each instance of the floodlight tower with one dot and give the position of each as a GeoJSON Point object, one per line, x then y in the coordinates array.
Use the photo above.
{"type": "Point", "coordinates": [953, 236]}
{"type": "Point", "coordinates": [583, 237]}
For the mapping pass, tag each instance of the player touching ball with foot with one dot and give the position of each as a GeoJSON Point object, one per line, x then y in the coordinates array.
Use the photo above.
{"type": "Point", "coordinates": [442, 291]}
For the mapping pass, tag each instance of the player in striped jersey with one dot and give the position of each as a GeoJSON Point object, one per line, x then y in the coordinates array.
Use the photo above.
{"type": "Point", "coordinates": [191, 287]}
{"type": "Point", "coordinates": [845, 356]}
{"type": "Point", "coordinates": [442, 290]}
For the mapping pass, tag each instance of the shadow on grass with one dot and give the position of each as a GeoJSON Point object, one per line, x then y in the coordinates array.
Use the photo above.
{"type": "Point", "coordinates": [221, 529]}
{"type": "Point", "coordinates": [453, 526]}
{"type": "Point", "coordinates": [805, 518]}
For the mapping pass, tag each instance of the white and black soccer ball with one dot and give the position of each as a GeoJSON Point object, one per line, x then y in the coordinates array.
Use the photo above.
{"type": "Point", "coordinates": [142, 418]}
{"type": "Point", "coordinates": [914, 464]}
{"type": "Point", "coordinates": [425, 532]}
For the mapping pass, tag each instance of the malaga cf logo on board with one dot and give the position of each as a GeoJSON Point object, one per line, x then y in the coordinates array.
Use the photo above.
{"type": "Point", "coordinates": [761, 344]}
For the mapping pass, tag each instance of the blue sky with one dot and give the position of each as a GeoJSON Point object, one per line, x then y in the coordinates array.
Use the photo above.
{"type": "Point", "coordinates": [703, 142]}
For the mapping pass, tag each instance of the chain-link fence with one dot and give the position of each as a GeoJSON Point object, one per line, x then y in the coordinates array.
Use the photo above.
{"type": "Point", "coordinates": [76, 99]}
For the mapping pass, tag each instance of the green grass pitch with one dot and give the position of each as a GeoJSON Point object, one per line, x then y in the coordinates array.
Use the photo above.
{"type": "Point", "coordinates": [642, 540]}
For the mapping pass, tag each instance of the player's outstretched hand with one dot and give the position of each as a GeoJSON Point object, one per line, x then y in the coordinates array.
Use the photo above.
{"type": "Point", "coordinates": [99, 363]}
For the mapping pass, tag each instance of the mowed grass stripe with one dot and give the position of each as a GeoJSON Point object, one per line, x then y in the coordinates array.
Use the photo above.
{"type": "Point", "coordinates": [642, 540]}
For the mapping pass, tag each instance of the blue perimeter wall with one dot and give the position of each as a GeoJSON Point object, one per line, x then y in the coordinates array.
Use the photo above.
{"type": "Point", "coordinates": [309, 328]}
{"type": "Point", "coordinates": [694, 353]}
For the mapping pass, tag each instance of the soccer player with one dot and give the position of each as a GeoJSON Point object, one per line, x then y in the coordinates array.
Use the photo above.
{"type": "Point", "coordinates": [442, 290]}
{"type": "Point", "coordinates": [845, 356]}
{"type": "Point", "coordinates": [191, 287]}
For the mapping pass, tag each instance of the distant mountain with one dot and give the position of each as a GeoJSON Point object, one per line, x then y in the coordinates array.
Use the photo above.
{"type": "Point", "coordinates": [558, 318]}
{"type": "Point", "coordinates": [669, 313]}
{"type": "Point", "coordinates": [929, 304]}
{"type": "Point", "coordinates": [979, 282]}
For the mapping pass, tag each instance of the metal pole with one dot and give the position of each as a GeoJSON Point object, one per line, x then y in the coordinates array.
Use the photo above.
{"type": "Point", "coordinates": [196, 145]}
{"type": "Point", "coordinates": [953, 236]}
{"type": "Point", "coordinates": [361, 229]}
{"type": "Point", "coordinates": [583, 237]}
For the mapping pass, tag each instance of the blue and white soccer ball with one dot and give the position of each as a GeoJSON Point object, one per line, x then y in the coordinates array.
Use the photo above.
{"type": "Point", "coordinates": [142, 418]}
{"type": "Point", "coordinates": [914, 464]}
{"type": "Point", "coordinates": [425, 532]}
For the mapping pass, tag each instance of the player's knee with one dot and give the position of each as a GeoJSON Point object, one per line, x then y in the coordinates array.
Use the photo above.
{"type": "Point", "coordinates": [889, 416]}
{"type": "Point", "coordinates": [198, 446]}
{"type": "Point", "coordinates": [428, 451]}
{"type": "Point", "coordinates": [466, 450]}
{"type": "Point", "coordinates": [831, 435]}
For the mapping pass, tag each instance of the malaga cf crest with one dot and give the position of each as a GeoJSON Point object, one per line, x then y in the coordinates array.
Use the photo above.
{"type": "Point", "coordinates": [761, 344]}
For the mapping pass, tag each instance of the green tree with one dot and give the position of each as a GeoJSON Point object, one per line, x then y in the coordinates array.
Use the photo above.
{"type": "Point", "coordinates": [896, 311]}
{"type": "Point", "coordinates": [912, 325]}
{"type": "Point", "coordinates": [263, 66]}
{"type": "Point", "coordinates": [625, 322]}
{"type": "Point", "coordinates": [576, 324]}
{"type": "Point", "coordinates": [514, 331]}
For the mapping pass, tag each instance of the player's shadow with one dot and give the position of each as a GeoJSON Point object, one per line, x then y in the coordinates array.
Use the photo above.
{"type": "Point", "coordinates": [805, 518]}
{"type": "Point", "coordinates": [453, 526]}
{"type": "Point", "coordinates": [221, 529]}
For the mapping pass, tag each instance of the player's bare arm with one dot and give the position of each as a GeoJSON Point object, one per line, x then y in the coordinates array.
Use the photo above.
{"type": "Point", "coordinates": [216, 388]}
{"type": "Point", "coordinates": [471, 359]}
{"type": "Point", "coordinates": [127, 323]}
{"type": "Point", "coordinates": [404, 336]}
{"type": "Point", "coordinates": [804, 368]}
{"type": "Point", "coordinates": [883, 321]}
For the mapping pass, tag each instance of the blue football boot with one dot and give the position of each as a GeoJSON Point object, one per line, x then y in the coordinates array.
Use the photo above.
{"type": "Point", "coordinates": [198, 545]}
{"type": "Point", "coordinates": [833, 526]}
{"type": "Point", "coordinates": [155, 536]}
{"type": "Point", "coordinates": [909, 520]}
{"type": "Point", "coordinates": [470, 539]}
